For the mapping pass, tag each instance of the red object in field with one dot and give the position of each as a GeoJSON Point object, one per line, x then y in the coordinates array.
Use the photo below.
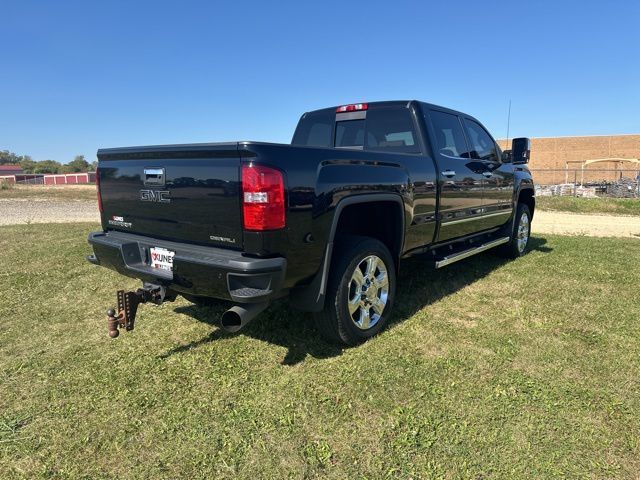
{"type": "Point", "coordinates": [354, 107]}
{"type": "Point", "coordinates": [8, 178]}
{"type": "Point", "coordinates": [67, 178]}
{"type": "Point", "coordinates": [262, 198]}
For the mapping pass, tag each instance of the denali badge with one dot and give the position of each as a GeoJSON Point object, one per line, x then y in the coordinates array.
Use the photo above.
{"type": "Point", "coordinates": [161, 196]}
{"type": "Point", "coordinates": [222, 239]}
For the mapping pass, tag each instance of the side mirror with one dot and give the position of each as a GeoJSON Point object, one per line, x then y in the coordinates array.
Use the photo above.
{"type": "Point", "coordinates": [521, 150]}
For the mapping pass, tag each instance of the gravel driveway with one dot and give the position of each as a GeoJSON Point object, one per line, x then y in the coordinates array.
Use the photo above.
{"type": "Point", "coordinates": [563, 223]}
{"type": "Point", "coordinates": [16, 211]}
{"type": "Point", "coordinates": [29, 210]}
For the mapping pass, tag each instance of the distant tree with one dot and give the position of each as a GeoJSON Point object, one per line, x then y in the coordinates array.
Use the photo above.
{"type": "Point", "coordinates": [77, 165]}
{"type": "Point", "coordinates": [94, 166]}
{"type": "Point", "coordinates": [28, 164]}
{"type": "Point", "coordinates": [7, 157]}
{"type": "Point", "coordinates": [47, 166]}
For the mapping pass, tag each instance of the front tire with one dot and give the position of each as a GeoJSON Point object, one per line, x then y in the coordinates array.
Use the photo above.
{"type": "Point", "coordinates": [520, 234]}
{"type": "Point", "coordinates": [360, 291]}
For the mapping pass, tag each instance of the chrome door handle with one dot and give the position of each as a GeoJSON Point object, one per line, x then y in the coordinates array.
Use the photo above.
{"type": "Point", "coordinates": [487, 174]}
{"type": "Point", "coordinates": [449, 173]}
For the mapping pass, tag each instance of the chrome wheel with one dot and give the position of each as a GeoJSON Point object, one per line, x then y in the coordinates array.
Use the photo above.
{"type": "Point", "coordinates": [522, 236]}
{"type": "Point", "coordinates": [368, 292]}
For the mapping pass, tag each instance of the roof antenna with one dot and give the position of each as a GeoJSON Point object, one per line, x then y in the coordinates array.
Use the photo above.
{"type": "Point", "coordinates": [506, 147]}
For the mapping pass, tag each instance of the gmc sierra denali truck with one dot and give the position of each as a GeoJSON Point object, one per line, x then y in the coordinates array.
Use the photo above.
{"type": "Point", "coordinates": [325, 221]}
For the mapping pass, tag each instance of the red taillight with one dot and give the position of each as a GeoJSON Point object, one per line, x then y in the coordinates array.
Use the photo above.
{"type": "Point", "coordinates": [355, 107]}
{"type": "Point", "coordinates": [262, 198]}
{"type": "Point", "coordinates": [98, 189]}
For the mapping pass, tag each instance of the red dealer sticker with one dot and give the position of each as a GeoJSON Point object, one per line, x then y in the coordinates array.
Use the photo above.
{"type": "Point", "coordinates": [162, 258]}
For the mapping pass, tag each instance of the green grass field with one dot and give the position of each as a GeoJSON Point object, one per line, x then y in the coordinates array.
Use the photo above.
{"type": "Point", "coordinates": [490, 369]}
{"type": "Point", "coordinates": [600, 205]}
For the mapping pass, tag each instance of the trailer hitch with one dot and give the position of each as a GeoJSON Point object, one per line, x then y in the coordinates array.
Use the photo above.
{"type": "Point", "coordinates": [128, 306]}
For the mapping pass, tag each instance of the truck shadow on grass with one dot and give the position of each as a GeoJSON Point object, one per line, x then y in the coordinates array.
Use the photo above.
{"type": "Point", "coordinates": [418, 286]}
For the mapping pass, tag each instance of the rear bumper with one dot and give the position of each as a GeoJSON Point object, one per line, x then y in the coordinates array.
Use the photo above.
{"type": "Point", "coordinates": [197, 270]}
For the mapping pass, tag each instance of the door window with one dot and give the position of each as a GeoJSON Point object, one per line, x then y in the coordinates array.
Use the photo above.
{"type": "Point", "coordinates": [483, 146]}
{"type": "Point", "coordinates": [449, 134]}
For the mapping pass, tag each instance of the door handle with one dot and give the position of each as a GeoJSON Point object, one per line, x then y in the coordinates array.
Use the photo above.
{"type": "Point", "coordinates": [449, 173]}
{"type": "Point", "coordinates": [487, 174]}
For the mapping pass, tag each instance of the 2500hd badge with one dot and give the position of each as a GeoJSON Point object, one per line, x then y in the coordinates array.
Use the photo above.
{"type": "Point", "coordinates": [118, 221]}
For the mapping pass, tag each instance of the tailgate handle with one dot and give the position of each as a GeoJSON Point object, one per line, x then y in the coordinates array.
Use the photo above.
{"type": "Point", "coordinates": [154, 176]}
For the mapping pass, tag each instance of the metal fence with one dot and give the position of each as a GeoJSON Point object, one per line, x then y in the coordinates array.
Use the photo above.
{"type": "Point", "coordinates": [582, 182]}
{"type": "Point", "coordinates": [30, 180]}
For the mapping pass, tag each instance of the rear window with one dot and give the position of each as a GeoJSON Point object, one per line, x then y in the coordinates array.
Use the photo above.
{"type": "Point", "coordinates": [387, 129]}
{"type": "Point", "coordinates": [314, 129]}
{"type": "Point", "coordinates": [350, 133]}
{"type": "Point", "coordinates": [391, 130]}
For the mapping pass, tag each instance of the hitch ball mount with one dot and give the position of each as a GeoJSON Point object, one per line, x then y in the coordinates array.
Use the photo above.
{"type": "Point", "coordinates": [128, 306]}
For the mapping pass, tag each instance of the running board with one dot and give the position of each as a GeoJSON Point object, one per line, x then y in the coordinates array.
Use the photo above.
{"type": "Point", "coordinates": [468, 253]}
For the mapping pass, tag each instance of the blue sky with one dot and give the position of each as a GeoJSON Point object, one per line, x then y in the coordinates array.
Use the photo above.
{"type": "Point", "coordinates": [77, 76]}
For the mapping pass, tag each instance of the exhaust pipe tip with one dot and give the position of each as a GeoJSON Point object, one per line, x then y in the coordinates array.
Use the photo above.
{"type": "Point", "coordinates": [237, 317]}
{"type": "Point", "coordinates": [231, 321]}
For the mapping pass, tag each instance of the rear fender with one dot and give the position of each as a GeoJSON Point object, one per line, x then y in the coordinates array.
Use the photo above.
{"type": "Point", "coordinates": [312, 296]}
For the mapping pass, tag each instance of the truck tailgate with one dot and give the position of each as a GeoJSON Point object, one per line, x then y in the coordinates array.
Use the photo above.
{"type": "Point", "coordinates": [187, 193]}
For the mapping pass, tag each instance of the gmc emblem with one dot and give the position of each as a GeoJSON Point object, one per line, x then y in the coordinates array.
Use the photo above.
{"type": "Point", "coordinates": [160, 196]}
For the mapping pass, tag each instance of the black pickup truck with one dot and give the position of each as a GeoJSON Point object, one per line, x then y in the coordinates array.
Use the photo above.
{"type": "Point", "coordinates": [325, 221]}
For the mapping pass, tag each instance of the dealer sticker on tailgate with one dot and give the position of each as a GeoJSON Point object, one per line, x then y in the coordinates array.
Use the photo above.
{"type": "Point", "coordinates": [162, 258]}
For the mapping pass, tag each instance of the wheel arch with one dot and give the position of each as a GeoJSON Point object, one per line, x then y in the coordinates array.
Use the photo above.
{"type": "Point", "coordinates": [311, 297]}
{"type": "Point", "coordinates": [527, 196]}
{"type": "Point", "coordinates": [351, 209]}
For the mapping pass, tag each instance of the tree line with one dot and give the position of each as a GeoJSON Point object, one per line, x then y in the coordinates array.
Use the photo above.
{"type": "Point", "coordinates": [78, 165]}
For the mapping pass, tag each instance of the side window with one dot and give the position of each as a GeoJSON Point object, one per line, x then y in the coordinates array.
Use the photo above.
{"type": "Point", "coordinates": [391, 129]}
{"type": "Point", "coordinates": [483, 147]}
{"type": "Point", "coordinates": [449, 134]}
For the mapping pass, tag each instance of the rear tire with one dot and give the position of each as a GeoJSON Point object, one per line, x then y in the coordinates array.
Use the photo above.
{"type": "Point", "coordinates": [360, 291]}
{"type": "Point", "coordinates": [520, 233]}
